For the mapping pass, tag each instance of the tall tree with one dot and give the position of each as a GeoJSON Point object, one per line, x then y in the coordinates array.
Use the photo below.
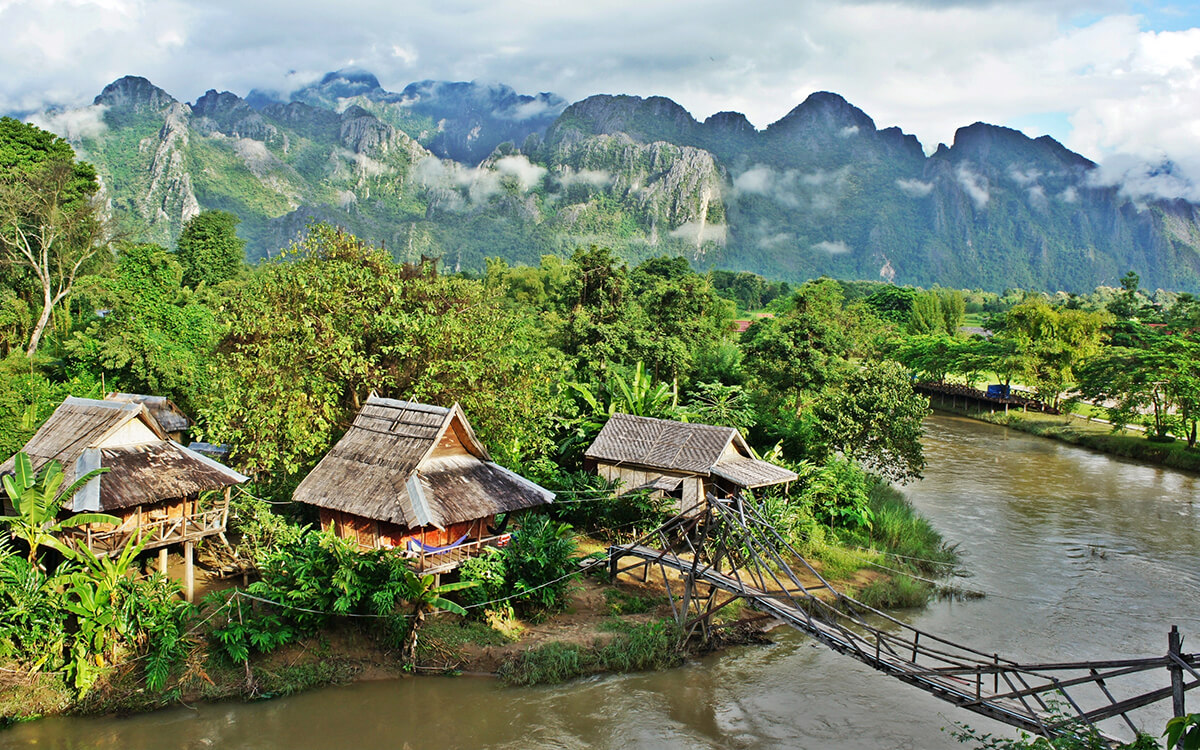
{"type": "Point", "coordinates": [874, 417]}
{"type": "Point", "coordinates": [801, 350]}
{"type": "Point", "coordinates": [1050, 343]}
{"type": "Point", "coordinates": [209, 249]}
{"type": "Point", "coordinates": [156, 336]}
{"type": "Point", "coordinates": [51, 221]}
{"type": "Point", "coordinates": [313, 333]}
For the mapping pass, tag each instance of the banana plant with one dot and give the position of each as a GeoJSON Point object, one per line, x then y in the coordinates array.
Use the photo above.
{"type": "Point", "coordinates": [37, 499]}
{"type": "Point", "coordinates": [425, 596]}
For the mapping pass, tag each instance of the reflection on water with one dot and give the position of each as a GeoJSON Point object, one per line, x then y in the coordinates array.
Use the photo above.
{"type": "Point", "coordinates": [1083, 556]}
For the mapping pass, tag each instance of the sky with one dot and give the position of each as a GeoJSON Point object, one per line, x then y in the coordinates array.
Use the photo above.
{"type": "Point", "coordinates": [1116, 81]}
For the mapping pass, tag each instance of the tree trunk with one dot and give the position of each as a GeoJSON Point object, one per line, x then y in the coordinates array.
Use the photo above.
{"type": "Point", "coordinates": [410, 641]}
{"type": "Point", "coordinates": [47, 307]}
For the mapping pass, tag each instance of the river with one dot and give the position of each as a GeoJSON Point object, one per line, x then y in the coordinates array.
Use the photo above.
{"type": "Point", "coordinates": [1083, 556]}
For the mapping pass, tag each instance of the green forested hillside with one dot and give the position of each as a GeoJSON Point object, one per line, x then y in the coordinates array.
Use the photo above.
{"type": "Point", "coordinates": [821, 191]}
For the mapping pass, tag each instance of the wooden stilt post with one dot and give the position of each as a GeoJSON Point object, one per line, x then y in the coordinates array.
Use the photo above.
{"type": "Point", "coordinates": [189, 582]}
{"type": "Point", "coordinates": [162, 560]}
{"type": "Point", "coordinates": [1175, 649]}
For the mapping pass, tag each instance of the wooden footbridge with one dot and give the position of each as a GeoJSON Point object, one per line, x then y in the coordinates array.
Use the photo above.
{"type": "Point", "coordinates": [723, 551]}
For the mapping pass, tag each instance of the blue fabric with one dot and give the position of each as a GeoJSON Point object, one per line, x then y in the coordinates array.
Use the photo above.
{"type": "Point", "coordinates": [415, 546]}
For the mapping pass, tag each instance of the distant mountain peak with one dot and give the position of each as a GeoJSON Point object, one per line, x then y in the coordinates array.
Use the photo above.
{"type": "Point", "coordinates": [340, 84]}
{"type": "Point", "coordinates": [825, 109]}
{"type": "Point", "coordinates": [982, 142]}
{"type": "Point", "coordinates": [730, 122]}
{"type": "Point", "coordinates": [134, 93]}
{"type": "Point", "coordinates": [352, 77]}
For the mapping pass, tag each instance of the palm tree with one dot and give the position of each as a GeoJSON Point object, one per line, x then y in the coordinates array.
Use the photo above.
{"type": "Point", "coordinates": [37, 500]}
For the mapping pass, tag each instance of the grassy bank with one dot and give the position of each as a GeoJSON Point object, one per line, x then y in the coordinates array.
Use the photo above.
{"type": "Point", "coordinates": [889, 564]}
{"type": "Point", "coordinates": [1099, 437]}
{"type": "Point", "coordinates": [635, 648]}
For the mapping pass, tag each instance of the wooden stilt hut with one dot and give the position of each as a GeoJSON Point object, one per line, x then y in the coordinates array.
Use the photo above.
{"type": "Point", "coordinates": [414, 477]}
{"type": "Point", "coordinates": [153, 484]}
{"type": "Point", "coordinates": [684, 461]}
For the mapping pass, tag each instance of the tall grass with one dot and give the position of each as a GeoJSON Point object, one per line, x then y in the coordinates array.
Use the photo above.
{"type": "Point", "coordinates": [652, 645]}
{"type": "Point", "coordinates": [900, 531]}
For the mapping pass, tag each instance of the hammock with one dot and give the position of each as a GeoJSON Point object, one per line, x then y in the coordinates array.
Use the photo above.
{"type": "Point", "coordinates": [415, 546]}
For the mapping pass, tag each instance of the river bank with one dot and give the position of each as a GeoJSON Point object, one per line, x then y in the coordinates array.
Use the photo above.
{"type": "Point", "coordinates": [1097, 436]}
{"type": "Point", "coordinates": [606, 626]}
{"type": "Point", "coordinates": [1062, 539]}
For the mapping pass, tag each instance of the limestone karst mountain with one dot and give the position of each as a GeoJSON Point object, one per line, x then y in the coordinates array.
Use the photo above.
{"type": "Point", "coordinates": [467, 171]}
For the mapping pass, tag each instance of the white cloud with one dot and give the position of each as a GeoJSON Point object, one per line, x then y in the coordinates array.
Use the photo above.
{"type": "Point", "coordinates": [1024, 177]}
{"type": "Point", "coordinates": [1037, 196]}
{"type": "Point", "coordinates": [1070, 195]}
{"type": "Point", "coordinates": [477, 184]}
{"type": "Point", "coordinates": [849, 130]}
{"type": "Point", "coordinates": [929, 66]}
{"type": "Point", "coordinates": [974, 185]}
{"type": "Point", "coordinates": [595, 178]}
{"type": "Point", "coordinates": [699, 232]}
{"type": "Point", "coordinates": [914, 188]}
{"type": "Point", "coordinates": [527, 174]}
{"type": "Point", "coordinates": [772, 241]}
{"type": "Point", "coordinates": [73, 124]}
{"type": "Point", "coordinates": [833, 248]}
{"type": "Point", "coordinates": [1140, 179]}
{"type": "Point", "coordinates": [758, 179]}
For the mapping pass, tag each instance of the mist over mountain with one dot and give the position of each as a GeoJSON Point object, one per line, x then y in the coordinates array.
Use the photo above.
{"type": "Point", "coordinates": [467, 171]}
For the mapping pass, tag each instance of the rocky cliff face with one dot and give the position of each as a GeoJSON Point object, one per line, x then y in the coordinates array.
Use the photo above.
{"type": "Point", "coordinates": [821, 191]}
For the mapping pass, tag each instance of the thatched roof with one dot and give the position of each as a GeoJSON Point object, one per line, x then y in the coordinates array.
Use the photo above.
{"type": "Point", "coordinates": [144, 466]}
{"type": "Point", "coordinates": [163, 409]}
{"type": "Point", "coordinates": [415, 465]}
{"type": "Point", "coordinates": [704, 449]}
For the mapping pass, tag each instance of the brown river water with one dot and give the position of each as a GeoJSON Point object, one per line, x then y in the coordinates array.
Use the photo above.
{"type": "Point", "coordinates": [1083, 557]}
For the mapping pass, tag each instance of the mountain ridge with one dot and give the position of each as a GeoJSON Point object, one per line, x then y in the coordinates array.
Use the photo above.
{"type": "Point", "coordinates": [820, 190]}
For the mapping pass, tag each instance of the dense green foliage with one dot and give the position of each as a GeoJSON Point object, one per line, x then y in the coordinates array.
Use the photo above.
{"type": "Point", "coordinates": [531, 574]}
{"type": "Point", "coordinates": [51, 224]}
{"type": "Point", "coordinates": [84, 613]}
{"type": "Point", "coordinates": [209, 249]}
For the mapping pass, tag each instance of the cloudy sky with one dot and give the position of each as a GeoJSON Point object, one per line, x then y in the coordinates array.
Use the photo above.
{"type": "Point", "coordinates": [1116, 81]}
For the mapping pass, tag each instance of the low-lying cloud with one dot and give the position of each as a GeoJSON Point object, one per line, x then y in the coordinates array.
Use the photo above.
{"type": "Point", "coordinates": [595, 178]}
{"type": "Point", "coordinates": [699, 232]}
{"type": "Point", "coordinates": [837, 247]}
{"type": "Point", "coordinates": [819, 190]}
{"type": "Point", "coordinates": [914, 188]}
{"type": "Point", "coordinates": [478, 183]}
{"type": "Point", "coordinates": [974, 185]}
{"type": "Point", "coordinates": [73, 124]}
{"type": "Point", "coordinates": [1142, 180]}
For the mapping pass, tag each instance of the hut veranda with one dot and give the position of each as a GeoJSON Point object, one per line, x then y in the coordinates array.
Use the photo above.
{"type": "Point", "coordinates": [414, 477]}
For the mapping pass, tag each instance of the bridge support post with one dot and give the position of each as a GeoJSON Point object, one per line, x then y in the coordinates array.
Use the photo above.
{"type": "Point", "coordinates": [1175, 651]}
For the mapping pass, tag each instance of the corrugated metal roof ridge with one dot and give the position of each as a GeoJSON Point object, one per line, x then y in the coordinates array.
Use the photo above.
{"type": "Point", "coordinates": [396, 403]}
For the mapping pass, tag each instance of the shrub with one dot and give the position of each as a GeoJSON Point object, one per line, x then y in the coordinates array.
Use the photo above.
{"type": "Point", "coordinates": [538, 561]}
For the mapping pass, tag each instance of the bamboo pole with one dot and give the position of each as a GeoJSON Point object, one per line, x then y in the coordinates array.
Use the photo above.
{"type": "Point", "coordinates": [189, 577]}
